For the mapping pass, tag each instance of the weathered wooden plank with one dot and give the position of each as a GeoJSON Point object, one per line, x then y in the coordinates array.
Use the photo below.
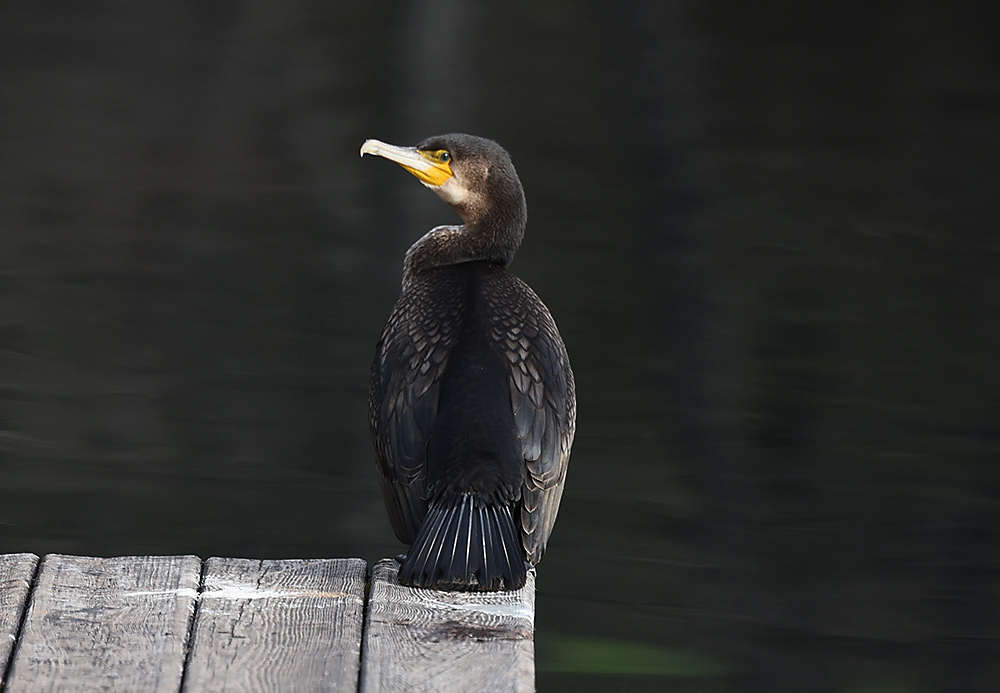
{"type": "Point", "coordinates": [16, 571]}
{"type": "Point", "coordinates": [426, 640]}
{"type": "Point", "coordinates": [278, 626]}
{"type": "Point", "coordinates": [101, 624]}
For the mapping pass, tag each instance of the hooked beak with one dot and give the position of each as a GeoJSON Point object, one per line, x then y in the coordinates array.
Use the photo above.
{"type": "Point", "coordinates": [420, 164]}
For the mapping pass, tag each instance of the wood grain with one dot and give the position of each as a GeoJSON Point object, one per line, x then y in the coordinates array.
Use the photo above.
{"type": "Point", "coordinates": [16, 571]}
{"type": "Point", "coordinates": [427, 640]}
{"type": "Point", "coordinates": [278, 626]}
{"type": "Point", "coordinates": [100, 624]}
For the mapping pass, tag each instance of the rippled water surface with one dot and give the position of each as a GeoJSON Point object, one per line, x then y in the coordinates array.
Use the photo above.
{"type": "Point", "coordinates": [768, 232]}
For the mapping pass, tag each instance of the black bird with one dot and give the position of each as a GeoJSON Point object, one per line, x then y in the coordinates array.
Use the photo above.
{"type": "Point", "coordinates": [472, 404]}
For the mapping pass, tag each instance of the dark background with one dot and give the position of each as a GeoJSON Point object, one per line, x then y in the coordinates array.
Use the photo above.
{"type": "Point", "coordinates": [768, 232]}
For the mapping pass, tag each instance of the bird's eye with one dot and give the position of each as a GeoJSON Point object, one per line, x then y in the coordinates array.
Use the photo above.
{"type": "Point", "coordinates": [444, 157]}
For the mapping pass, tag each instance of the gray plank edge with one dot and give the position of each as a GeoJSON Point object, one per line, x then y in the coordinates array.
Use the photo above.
{"type": "Point", "coordinates": [16, 573]}
{"type": "Point", "coordinates": [98, 624]}
{"type": "Point", "coordinates": [278, 625]}
{"type": "Point", "coordinates": [429, 640]}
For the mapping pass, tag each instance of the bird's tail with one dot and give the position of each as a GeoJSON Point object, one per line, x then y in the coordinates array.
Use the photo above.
{"type": "Point", "coordinates": [468, 544]}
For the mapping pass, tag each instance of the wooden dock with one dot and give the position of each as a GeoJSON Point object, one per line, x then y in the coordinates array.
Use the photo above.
{"type": "Point", "coordinates": [177, 623]}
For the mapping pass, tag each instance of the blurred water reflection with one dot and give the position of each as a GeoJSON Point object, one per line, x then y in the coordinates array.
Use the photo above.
{"type": "Point", "coordinates": [767, 231]}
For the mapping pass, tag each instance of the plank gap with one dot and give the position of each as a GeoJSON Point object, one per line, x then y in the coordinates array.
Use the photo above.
{"type": "Point", "coordinates": [189, 637]}
{"type": "Point", "coordinates": [363, 650]}
{"type": "Point", "coordinates": [22, 616]}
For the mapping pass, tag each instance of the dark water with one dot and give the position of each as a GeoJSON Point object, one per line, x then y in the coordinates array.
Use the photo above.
{"type": "Point", "coordinates": [768, 231]}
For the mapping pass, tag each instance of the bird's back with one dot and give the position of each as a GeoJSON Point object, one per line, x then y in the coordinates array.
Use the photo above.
{"type": "Point", "coordinates": [472, 398]}
{"type": "Point", "coordinates": [474, 446]}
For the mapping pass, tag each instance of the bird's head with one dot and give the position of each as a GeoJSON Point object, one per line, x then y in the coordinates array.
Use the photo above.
{"type": "Point", "coordinates": [472, 174]}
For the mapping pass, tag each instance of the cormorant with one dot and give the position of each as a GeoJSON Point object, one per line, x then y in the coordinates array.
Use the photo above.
{"type": "Point", "coordinates": [472, 404]}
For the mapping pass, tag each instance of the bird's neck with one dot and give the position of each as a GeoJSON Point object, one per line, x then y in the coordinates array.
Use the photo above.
{"type": "Point", "coordinates": [491, 237]}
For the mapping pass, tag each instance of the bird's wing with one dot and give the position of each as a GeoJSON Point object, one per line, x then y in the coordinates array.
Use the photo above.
{"type": "Point", "coordinates": [542, 393]}
{"type": "Point", "coordinates": [403, 399]}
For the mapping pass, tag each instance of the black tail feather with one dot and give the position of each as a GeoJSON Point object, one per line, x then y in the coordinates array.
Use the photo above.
{"type": "Point", "coordinates": [466, 544]}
